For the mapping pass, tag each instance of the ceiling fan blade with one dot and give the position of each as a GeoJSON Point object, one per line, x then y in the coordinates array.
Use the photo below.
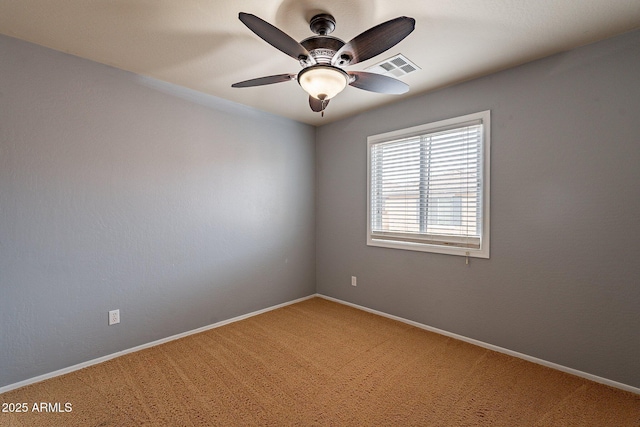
{"type": "Point", "coordinates": [275, 37]}
{"type": "Point", "coordinates": [378, 83]}
{"type": "Point", "coordinates": [267, 80]}
{"type": "Point", "coordinates": [375, 40]}
{"type": "Point", "coordinates": [316, 104]}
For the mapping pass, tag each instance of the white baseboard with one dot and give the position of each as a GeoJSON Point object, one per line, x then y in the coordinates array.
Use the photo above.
{"type": "Point", "coordinates": [482, 344]}
{"type": "Point", "coordinates": [542, 362]}
{"type": "Point", "coordinates": [144, 346]}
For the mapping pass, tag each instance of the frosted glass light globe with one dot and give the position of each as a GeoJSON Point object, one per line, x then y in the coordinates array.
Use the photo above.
{"type": "Point", "coordinates": [323, 82]}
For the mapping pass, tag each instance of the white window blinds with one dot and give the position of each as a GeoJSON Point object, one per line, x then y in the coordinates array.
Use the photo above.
{"type": "Point", "coordinates": [427, 188]}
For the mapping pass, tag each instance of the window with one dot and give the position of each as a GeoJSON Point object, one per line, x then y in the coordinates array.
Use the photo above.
{"type": "Point", "coordinates": [428, 187]}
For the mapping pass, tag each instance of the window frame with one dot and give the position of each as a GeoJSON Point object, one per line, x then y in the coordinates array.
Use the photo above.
{"type": "Point", "coordinates": [406, 243]}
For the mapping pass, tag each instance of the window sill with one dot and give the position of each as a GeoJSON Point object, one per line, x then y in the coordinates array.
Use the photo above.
{"type": "Point", "coordinates": [423, 247]}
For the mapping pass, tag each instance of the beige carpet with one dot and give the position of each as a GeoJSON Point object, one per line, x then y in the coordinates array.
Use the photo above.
{"type": "Point", "coordinates": [321, 363]}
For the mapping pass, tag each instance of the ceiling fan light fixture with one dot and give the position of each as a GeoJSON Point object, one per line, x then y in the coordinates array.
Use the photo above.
{"type": "Point", "coordinates": [322, 57]}
{"type": "Point", "coordinates": [322, 81]}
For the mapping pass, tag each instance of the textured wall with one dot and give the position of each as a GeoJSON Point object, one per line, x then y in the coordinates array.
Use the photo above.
{"type": "Point", "coordinates": [563, 281]}
{"type": "Point", "coordinates": [120, 192]}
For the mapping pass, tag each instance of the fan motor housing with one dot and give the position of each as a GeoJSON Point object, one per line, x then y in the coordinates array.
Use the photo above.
{"type": "Point", "coordinates": [322, 48]}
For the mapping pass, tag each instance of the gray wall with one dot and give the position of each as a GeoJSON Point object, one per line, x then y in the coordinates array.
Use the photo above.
{"type": "Point", "coordinates": [120, 192]}
{"type": "Point", "coordinates": [563, 281]}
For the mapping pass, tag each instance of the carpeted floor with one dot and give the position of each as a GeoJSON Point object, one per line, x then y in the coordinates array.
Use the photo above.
{"type": "Point", "coordinates": [320, 363]}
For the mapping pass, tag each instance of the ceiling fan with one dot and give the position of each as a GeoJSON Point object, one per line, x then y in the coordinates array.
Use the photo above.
{"type": "Point", "coordinates": [323, 57]}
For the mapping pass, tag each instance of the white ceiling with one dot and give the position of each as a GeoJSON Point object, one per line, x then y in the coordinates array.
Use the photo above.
{"type": "Point", "coordinates": [201, 44]}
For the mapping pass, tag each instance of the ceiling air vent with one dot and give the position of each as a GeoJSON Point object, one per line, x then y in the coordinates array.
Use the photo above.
{"type": "Point", "coordinates": [396, 66]}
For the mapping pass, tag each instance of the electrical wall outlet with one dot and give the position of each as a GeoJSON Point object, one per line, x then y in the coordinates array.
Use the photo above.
{"type": "Point", "coordinates": [114, 317]}
{"type": "Point", "coordinates": [354, 281]}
